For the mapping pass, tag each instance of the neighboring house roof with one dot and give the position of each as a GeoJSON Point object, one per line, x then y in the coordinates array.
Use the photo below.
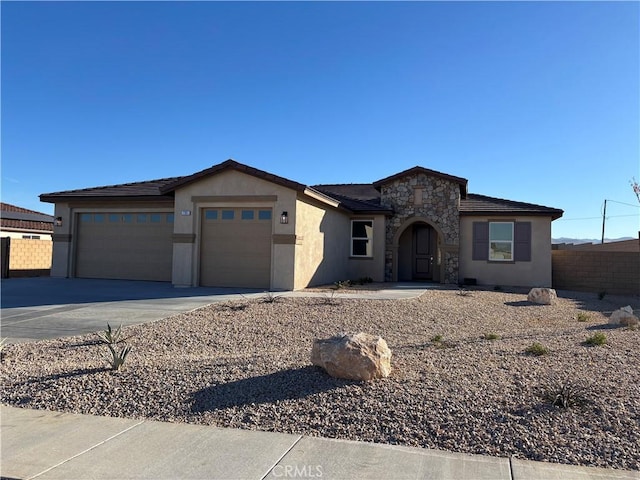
{"type": "Point", "coordinates": [13, 217]}
{"type": "Point", "coordinates": [136, 190]}
{"type": "Point", "coordinates": [476, 204]}
{"type": "Point", "coordinates": [618, 246]}
{"type": "Point", "coordinates": [432, 173]}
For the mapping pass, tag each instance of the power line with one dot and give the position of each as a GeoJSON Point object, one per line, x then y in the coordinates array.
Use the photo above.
{"type": "Point", "coordinates": [594, 218]}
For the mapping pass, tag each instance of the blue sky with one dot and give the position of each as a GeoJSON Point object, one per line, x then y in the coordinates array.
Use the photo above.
{"type": "Point", "coordinates": [536, 102]}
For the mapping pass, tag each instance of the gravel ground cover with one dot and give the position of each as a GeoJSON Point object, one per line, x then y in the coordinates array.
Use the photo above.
{"type": "Point", "coordinates": [461, 380]}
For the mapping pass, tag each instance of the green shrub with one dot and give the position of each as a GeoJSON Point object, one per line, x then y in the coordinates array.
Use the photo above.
{"type": "Point", "coordinates": [109, 336]}
{"type": "Point", "coordinates": [491, 336]}
{"type": "Point", "coordinates": [436, 339]}
{"type": "Point", "coordinates": [537, 349]}
{"type": "Point", "coordinates": [342, 284]}
{"type": "Point", "coordinates": [583, 317]}
{"type": "Point", "coordinates": [596, 339]}
{"type": "Point", "coordinates": [118, 356]}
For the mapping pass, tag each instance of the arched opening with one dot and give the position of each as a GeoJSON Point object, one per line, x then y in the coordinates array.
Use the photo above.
{"type": "Point", "coordinates": [417, 252]}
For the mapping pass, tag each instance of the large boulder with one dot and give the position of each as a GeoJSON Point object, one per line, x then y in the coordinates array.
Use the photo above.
{"type": "Point", "coordinates": [542, 296]}
{"type": "Point", "coordinates": [624, 317]}
{"type": "Point", "coordinates": [354, 357]}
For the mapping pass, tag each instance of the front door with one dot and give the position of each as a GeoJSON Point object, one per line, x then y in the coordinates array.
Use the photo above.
{"type": "Point", "coordinates": [422, 253]}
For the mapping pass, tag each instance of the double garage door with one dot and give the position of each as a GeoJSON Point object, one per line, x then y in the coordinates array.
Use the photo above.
{"type": "Point", "coordinates": [127, 246]}
{"type": "Point", "coordinates": [235, 247]}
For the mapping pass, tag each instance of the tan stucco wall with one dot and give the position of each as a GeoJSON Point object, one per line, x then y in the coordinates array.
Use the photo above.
{"type": "Point", "coordinates": [536, 273]}
{"type": "Point", "coordinates": [321, 254]}
{"type": "Point", "coordinates": [240, 189]}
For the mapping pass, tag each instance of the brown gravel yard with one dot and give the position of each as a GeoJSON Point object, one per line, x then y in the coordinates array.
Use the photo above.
{"type": "Point", "coordinates": [246, 365]}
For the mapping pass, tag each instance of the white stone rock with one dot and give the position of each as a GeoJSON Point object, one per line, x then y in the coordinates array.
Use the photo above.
{"type": "Point", "coordinates": [543, 296]}
{"type": "Point", "coordinates": [353, 357]}
{"type": "Point", "coordinates": [624, 317]}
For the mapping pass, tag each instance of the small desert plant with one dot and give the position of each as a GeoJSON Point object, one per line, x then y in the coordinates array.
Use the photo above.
{"type": "Point", "coordinates": [109, 336]}
{"type": "Point", "coordinates": [118, 356]}
{"type": "Point", "coordinates": [596, 339]}
{"type": "Point", "coordinates": [270, 297]}
{"type": "Point", "coordinates": [436, 339]}
{"type": "Point", "coordinates": [601, 294]}
{"type": "Point", "coordinates": [583, 317]}
{"type": "Point", "coordinates": [111, 339]}
{"type": "Point", "coordinates": [565, 394]}
{"type": "Point", "coordinates": [3, 343]}
{"type": "Point", "coordinates": [330, 298]}
{"type": "Point", "coordinates": [536, 349]}
{"type": "Point", "coordinates": [491, 336]}
{"type": "Point", "coordinates": [341, 284]}
{"type": "Point", "coordinates": [463, 292]}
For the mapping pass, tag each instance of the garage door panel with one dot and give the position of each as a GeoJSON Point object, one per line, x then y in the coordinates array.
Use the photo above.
{"type": "Point", "coordinates": [117, 246]}
{"type": "Point", "coordinates": [236, 247]}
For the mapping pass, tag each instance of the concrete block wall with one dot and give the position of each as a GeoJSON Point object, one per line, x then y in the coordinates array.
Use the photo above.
{"type": "Point", "coordinates": [617, 273]}
{"type": "Point", "coordinates": [29, 256]}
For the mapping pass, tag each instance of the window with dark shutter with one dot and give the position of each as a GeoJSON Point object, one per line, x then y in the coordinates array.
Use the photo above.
{"type": "Point", "coordinates": [522, 242]}
{"type": "Point", "coordinates": [480, 241]}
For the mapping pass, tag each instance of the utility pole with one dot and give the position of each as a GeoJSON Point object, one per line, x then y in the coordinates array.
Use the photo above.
{"type": "Point", "coordinates": [604, 216]}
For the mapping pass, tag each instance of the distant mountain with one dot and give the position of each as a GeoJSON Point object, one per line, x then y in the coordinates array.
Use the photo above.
{"type": "Point", "coordinates": [588, 240]}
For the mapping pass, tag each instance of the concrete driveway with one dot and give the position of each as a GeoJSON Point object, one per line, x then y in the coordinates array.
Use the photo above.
{"type": "Point", "coordinates": [41, 308]}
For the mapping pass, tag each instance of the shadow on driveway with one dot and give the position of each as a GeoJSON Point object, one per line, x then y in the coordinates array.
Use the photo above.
{"type": "Point", "coordinates": [41, 291]}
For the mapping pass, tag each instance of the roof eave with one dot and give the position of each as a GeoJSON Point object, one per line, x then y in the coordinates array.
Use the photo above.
{"type": "Point", "coordinates": [555, 214]}
{"type": "Point", "coordinates": [55, 198]}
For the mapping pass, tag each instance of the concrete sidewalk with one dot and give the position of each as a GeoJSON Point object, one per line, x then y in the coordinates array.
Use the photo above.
{"type": "Point", "coordinates": [50, 445]}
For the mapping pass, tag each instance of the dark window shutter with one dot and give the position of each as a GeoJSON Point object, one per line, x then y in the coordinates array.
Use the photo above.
{"type": "Point", "coordinates": [480, 241]}
{"type": "Point", "coordinates": [522, 242]}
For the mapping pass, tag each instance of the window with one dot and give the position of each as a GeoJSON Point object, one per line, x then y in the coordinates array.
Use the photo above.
{"type": "Point", "coordinates": [156, 218]}
{"type": "Point", "coordinates": [127, 218]}
{"type": "Point", "coordinates": [98, 218]}
{"type": "Point", "coordinates": [501, 241]}
{"type": "Point", "coordinates": [247, 214]}
{"type": "Point", "coordinates": [86, 217]}
{"type": "Point", "coordinates": [170, 217]}
{"type": "Point", "coordinates": [31, 237]}
{"type": "Point", "coordinates": [227, 214]}
{"type": "Point", "coordinates": [211, 215]}
{"type": "Point", "coordinates": [114, 218]}
{"type": "Point", "coordinates": [362, 238]}
{"type": "Point", "coordinates": [264, 214]}
{"type": "Point", "coordinates": [141, 218]}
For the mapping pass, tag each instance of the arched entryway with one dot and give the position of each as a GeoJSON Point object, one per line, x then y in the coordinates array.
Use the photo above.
{"type": "Point", "coordinates": [417, 252]}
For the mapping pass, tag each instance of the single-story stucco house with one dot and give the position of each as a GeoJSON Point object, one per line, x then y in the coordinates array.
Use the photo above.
{"type": "Point", "coordinates": [236, 226]}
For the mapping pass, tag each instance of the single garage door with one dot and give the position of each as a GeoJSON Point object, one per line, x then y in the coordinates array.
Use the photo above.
{"type": "Point", "coordinates": [235, 248]}
{"type": "Point", "coordinates": [126, 246]}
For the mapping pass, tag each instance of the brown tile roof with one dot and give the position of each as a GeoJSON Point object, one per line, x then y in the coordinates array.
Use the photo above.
{"type": "Point", "coordinates": [433, 173]}
{"type": "Point", "coordinates": [139, 190]}
{"type": "Point", "coordinates": [476, 204]}
{"type": "Point", "coordinates": [13, 217]}
{"type": "Point", "coordinates": [357, 197]}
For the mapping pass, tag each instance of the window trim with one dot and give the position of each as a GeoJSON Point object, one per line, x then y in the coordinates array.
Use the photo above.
{"type": "Point", "coordinates": [369, 239]}
{"type": "Point", "coordinates": [512, 242]}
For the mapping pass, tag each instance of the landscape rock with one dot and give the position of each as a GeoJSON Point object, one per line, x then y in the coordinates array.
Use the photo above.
{"type": "Point", "coordinates": [354, 357]}
{"type": "Point", "coordinates": [624, 317]}
{"type": "Point", "coordinates": [542, 296]}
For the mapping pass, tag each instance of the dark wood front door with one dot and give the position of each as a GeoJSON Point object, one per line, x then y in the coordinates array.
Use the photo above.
{"type": "Point", "coordinates": [422, 253]}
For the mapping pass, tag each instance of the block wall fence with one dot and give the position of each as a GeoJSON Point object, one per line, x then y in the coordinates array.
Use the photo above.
{"type": "Point", "coordinates": [29, 257]}
{"type": "Point", "coordinates": [617, 273]}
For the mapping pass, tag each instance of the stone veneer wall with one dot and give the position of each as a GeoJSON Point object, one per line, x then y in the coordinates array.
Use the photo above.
{"type": "Point", "coordinates": [440, 205]}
